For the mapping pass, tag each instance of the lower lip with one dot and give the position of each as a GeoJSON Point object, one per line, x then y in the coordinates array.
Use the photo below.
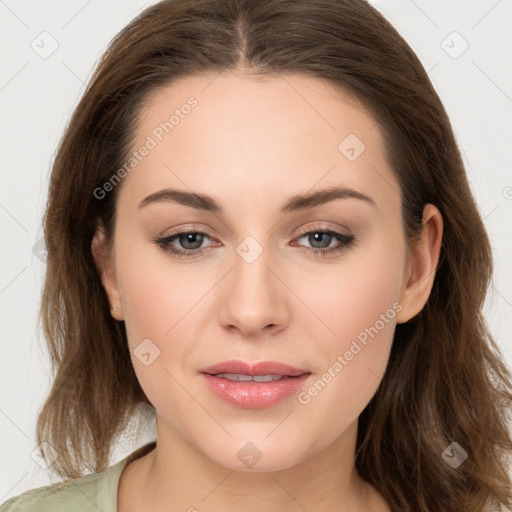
{"type": "Point", "coordinates": [254, 395]}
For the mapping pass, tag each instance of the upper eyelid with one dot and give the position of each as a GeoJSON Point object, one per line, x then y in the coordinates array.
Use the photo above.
{"type": "Point", "coordinates": [302, 233]}
{"type": "Point", "coordinates": [317, 227]}
{"type": "Point", "coordinates": [299, 234]}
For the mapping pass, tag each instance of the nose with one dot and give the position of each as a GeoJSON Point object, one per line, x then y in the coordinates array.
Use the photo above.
{"type": "Point", "coordinates": [254, 299]}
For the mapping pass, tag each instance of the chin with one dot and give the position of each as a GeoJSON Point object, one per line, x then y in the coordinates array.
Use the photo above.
{"type": "Point", "coordinates": [257, 456]}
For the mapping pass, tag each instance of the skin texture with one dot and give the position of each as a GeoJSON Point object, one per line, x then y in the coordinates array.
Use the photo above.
{"type": "Point", "coordinates": [251, 145]}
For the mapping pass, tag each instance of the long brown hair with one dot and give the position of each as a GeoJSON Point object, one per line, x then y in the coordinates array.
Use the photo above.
{"type": "Point", "coordinates": [446, 380]}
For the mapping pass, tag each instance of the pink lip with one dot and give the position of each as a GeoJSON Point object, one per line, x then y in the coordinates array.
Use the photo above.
{"type": "Point", "coordinates": [259, 368]}
{"type": "Point", "coordinates": [254, 395]}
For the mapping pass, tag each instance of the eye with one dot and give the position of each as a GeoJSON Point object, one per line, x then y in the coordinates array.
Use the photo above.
{"type": "Point", "coordinates": [192, 241]}
{"type": "Point", "coordinates": [321, 239]}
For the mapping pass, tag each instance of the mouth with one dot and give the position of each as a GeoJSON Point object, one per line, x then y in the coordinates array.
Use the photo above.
{"type": "Point", "coordinates": [239, 377]}
{"type": "Point", "coordinates": [271, 370]}
{"type": "Point", "coordinates": [254, 386]}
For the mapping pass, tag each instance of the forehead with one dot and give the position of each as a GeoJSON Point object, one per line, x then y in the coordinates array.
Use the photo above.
{"type": "Point", "coordinates": [247, 138]}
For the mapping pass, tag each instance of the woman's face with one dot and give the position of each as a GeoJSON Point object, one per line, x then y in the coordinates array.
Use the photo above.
{"type": "Point", "coordinates": [259, 281]}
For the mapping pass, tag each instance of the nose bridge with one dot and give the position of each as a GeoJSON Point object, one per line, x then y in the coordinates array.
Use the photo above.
{"type": "Point", "coordinates": [253, 296]}
{"type": "Point", "coordinates": [251, 263]}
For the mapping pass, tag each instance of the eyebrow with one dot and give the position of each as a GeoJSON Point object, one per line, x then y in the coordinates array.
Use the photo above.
{"type": "Point", "coordinates": [295, 203]}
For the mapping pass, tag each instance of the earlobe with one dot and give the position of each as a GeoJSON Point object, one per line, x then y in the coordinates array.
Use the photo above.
{"type": "Point", "coordinates": [104, 260]}
{"type": "Point", "coordinates": [421, 265]}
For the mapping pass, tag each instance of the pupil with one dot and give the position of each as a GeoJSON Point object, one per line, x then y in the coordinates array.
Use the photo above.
{"type": "Point", "coordinates": [317, 237]}
{"type": "Point", "coordinates": [189, 238]}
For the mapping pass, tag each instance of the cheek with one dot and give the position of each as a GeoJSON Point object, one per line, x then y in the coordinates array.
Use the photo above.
{"type": "Point", "coordinates": [157, 304]}
{"type": "Point", "coordinates": [352, 294]}
{"type": "Point", "coordinates": [358, 307]}
{"type": "Point", "coordinates": [161, 304]}
{"type": "Point", "coordinates": [156, 293]}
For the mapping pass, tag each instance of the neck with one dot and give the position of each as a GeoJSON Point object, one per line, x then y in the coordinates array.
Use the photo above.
{"type": "Point", "coordinates": [176, 477]}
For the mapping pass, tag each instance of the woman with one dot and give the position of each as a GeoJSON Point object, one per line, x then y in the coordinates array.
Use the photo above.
{"type": "Point", "coordinates": [259, 229]}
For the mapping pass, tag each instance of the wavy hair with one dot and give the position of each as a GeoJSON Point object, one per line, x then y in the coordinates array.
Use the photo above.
{"type": "Point", "coordinates": [446, 380]}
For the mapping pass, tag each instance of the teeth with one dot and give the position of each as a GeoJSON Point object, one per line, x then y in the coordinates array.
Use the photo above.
{"type": "Point", "coordinates": [246, 378]}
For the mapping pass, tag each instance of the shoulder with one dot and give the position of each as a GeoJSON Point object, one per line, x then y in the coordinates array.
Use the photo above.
{"type": "Point", "coordinates": [84, 494]}
{"type": "Point", "coordinates": [90, 493]}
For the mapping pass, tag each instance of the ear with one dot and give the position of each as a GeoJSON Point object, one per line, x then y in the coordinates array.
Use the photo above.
{"type": "Point", "coordinates": [421, 265]}
{"type": "Point", "coordinates": [104, 259]}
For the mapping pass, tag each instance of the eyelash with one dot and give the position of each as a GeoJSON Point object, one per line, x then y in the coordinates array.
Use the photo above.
{"type": "Point", "coordinates": [345, 241]}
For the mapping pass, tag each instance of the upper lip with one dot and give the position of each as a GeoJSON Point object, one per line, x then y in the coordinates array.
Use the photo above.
{"type": "Point", "coordinates": [256, 368]}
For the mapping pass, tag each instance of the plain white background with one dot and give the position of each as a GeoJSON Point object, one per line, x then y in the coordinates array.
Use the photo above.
{"type": "Point", "coordinates": [465, 46]}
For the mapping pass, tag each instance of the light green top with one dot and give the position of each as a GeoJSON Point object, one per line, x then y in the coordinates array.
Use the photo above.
{"type": "Point", "coordinates": [96, 492]}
